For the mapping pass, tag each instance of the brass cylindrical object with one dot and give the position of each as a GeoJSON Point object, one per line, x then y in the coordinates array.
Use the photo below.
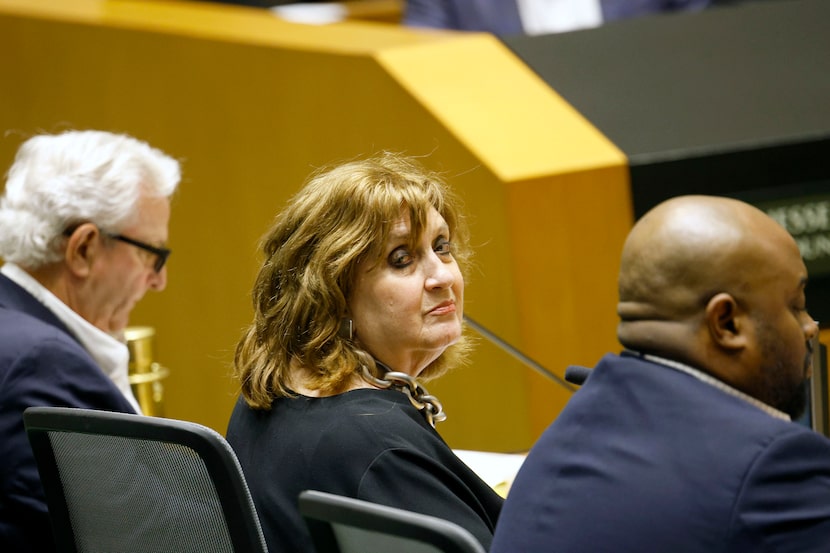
{"type": "Point", "coordinates": [145, 374]}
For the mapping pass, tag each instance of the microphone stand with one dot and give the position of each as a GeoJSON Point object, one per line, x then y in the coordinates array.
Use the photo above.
{"type": "Point", "coordinates": [490, 336]}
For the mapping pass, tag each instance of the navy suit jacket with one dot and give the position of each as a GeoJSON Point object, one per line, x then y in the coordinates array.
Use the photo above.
{"type": "Point", "coordinates": [647, 458]}
{"type": "Point", "coordinates": [41, 363]}
{"type": "Point", "coordinates": [501, 17]}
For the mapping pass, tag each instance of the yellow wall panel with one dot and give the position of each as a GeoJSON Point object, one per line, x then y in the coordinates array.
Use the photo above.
{"type": "Point", "coordinates": [499, 108]}
{"type": "Point", "coordinates": [251, 105]}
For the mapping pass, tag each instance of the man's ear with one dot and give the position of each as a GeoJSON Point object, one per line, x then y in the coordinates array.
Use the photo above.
{"type": "Point", "coordinates": [726, 322]}
{"type": "Point", "coordinates": [81, 248]}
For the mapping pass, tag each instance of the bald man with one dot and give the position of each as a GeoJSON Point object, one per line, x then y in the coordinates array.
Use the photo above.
{"type": "Point", "coordinates": [683, 443]}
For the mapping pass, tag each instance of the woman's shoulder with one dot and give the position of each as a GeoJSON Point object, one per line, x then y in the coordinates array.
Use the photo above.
{"type": "Point", "coordinates": [371, 421]}
{"type": "Point", "coordinates": [371, 409]}
{"type": "Point", "coordinates": [362, 422]}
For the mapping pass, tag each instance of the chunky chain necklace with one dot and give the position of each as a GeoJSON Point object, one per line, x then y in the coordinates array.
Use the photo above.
{"type": "Point", "coordinates": [427, 404]}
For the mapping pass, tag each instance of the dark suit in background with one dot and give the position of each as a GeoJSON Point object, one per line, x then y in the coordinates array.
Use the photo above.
{"type": "Point", "coordinates": [501, 17]}
{"type": "Point", "coordinates": [41, 363]}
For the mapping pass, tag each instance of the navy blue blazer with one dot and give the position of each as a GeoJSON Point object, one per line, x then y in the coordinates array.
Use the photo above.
{"type": "Point", "coordinates": [501, 17]}
{"type": "Point", "coordinates": [648, 458]}
{"type": "Point", "coordinates": [41, 363]}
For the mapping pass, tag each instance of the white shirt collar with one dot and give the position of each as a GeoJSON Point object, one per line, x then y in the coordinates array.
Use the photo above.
{"type": "Point", "coordinates": [110, 353]}
{"type": "Point", "coordinates": [719, 384]}
{"type": "Point", "coordinates": [556, 16]}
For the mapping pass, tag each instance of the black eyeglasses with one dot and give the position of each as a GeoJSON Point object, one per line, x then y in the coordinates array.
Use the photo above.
{"type": "Point", "coordinates": [161, 253]}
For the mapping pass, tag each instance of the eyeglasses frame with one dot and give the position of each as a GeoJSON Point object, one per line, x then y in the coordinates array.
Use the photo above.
{"type": "Point", "coordinates": [161, 253]}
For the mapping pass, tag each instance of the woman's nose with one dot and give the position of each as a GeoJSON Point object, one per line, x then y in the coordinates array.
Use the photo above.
{"type": "Point", "coordinates": [440, 273]}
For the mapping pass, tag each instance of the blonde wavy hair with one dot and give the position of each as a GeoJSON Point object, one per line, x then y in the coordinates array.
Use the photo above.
{"type": "Point", "coordinates": [341, 216]}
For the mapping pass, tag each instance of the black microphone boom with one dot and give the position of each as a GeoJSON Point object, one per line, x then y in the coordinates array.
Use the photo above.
{"type": "Point", "coordinates": [518, 354]}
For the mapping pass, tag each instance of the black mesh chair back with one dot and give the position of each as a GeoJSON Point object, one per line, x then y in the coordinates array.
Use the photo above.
{"type": "Point", "coordinates": [121, 483]}
{"type": "Point", "coordinates": [346, 525]}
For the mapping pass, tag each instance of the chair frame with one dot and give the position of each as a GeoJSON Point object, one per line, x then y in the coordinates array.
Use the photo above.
{"type": "Point", "coordinates": [220, 462]}
{"type": "Point", "coordinates": [321, 509]}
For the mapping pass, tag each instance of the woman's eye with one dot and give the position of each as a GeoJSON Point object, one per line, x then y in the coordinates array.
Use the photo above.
{"type": "Point", "coordinates": [443, 247]}
{"type": "Point", "coordinates": [400, 258]}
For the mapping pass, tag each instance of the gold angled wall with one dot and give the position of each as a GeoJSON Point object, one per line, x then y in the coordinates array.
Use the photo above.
{"type": "Point", "coordinates": [252, 104]}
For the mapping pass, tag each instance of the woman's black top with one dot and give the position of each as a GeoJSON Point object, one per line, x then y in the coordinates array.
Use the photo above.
{"type": "Point", "coordinates": [369, 444]}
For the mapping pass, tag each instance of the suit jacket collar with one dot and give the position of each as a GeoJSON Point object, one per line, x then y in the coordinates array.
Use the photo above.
{"type": "Point", "coordinates": [14, 297]}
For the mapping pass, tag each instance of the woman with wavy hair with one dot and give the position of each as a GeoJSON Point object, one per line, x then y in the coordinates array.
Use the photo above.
{"type": "Point", "coordinates": [359, 300]}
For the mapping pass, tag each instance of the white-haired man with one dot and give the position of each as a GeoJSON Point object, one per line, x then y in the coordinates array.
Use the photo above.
{"type": "Point", "coordinates": [83, 227]}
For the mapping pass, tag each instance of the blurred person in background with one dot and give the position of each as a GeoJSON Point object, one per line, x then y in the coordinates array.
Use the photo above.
{"type": "Point", "coordinates": [533, 17]}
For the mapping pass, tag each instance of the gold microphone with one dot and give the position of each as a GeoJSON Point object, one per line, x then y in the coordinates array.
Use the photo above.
{"type": "Point", "coordinates": [145, 374]}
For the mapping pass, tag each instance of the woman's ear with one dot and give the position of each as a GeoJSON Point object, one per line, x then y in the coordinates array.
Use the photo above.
{"type": "Point", "coordinates": [81, 248]}
{"type": "Point", "coordinates": [726, 322]}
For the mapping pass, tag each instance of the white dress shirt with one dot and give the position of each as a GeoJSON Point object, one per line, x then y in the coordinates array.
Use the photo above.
{"type": "Point", "coordinates": [556, 16]}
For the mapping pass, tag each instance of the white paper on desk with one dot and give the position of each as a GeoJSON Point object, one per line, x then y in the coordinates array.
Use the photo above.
{"type": "Point", "coordinates": [494, 468]}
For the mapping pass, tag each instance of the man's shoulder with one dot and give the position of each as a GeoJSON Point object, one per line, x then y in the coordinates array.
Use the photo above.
{"type": "Point", "coordinates": [29, 346]}
{"type": "Point", "coordinates": [19, 329]}
{"type": "Point", "coordinates": [794, 440]}
{"type": "Point", "coordinates": [42, 365]}
{"type": "Point", "coordinates": [17, 303]}
{"type": "Point", "coordinates": [626, 394]}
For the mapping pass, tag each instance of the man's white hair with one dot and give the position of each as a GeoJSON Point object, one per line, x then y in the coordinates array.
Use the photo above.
{"type": "Point", "coordinates": [57, 181]}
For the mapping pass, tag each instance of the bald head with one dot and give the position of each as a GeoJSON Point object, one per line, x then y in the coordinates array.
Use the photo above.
{"type": "Point", "coordinates": [684, 252]}
{"type": "Point", "coordinates": [717, 284]}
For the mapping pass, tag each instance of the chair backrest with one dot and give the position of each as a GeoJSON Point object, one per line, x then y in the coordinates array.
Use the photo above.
{"type": "Point", "coordinates": [347, 525]}
{"type": "Point", "coordinates": [130, 483]}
